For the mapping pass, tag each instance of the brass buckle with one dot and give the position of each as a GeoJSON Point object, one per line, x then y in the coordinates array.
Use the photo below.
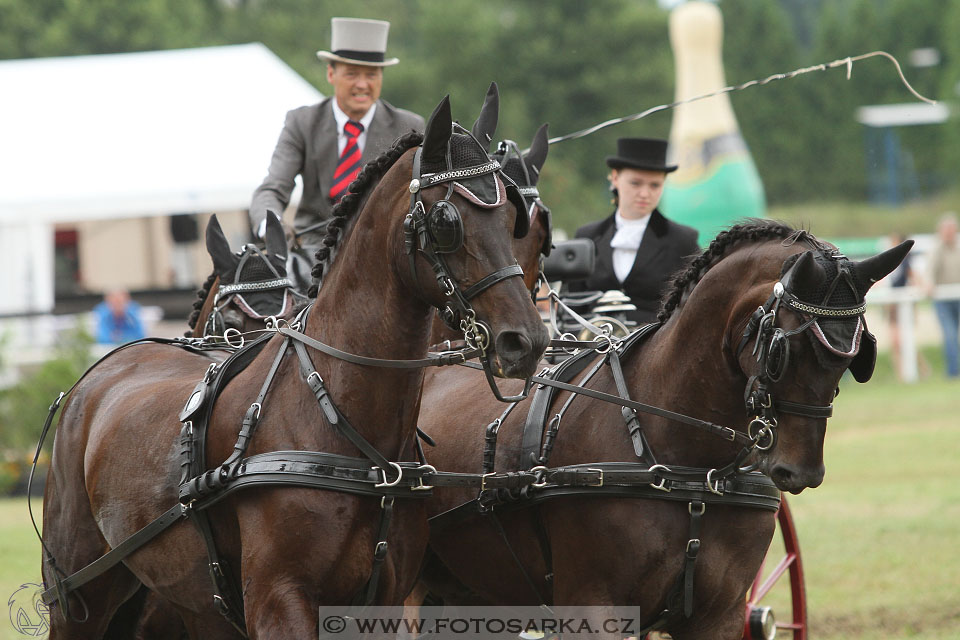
{"type": "Point", "coordinates": [599, 480]}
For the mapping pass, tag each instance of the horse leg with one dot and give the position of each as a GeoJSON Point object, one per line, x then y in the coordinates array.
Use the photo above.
{"type": "Point", "coordinates": [73, 540]}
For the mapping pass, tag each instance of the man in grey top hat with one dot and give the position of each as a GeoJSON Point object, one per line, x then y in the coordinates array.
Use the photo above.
{"type": "Point", "coordinates": [328, 143]}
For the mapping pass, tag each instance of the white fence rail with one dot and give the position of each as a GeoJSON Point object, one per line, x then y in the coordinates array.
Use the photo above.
{"type": "Point", "coordinates": [905, 299]}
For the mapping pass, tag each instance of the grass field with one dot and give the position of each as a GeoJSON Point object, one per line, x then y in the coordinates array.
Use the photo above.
{"type": "Point", "coordinates": [878, 538]}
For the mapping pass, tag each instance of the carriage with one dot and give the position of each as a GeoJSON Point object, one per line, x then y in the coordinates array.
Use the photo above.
{"type": "Point", "coordinates": [354, 374]}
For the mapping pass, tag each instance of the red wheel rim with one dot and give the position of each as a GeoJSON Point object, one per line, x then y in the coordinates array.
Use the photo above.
{"type": "Point", "coordinates": [789, 565]}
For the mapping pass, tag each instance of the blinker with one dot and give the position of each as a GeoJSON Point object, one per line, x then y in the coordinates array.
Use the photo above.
{"type": "Point", "coordinates": [445, 226]}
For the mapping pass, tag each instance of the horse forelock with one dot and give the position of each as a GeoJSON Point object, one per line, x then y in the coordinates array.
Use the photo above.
{"type": "Point", "coordinates": [749, 232]}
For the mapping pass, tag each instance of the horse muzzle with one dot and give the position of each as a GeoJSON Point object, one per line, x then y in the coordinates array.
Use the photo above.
{"type": "Point", "coordinates": [795, 478]}
{"type": "Point", "coordinates": [516, 354]}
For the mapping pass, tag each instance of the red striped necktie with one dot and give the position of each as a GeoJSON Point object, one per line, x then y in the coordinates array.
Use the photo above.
{"type": "Point", "coordinates": [348, 166]}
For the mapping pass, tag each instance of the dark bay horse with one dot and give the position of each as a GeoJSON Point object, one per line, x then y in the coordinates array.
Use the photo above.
{"type": "Point", "coordinates": [245, 288]}
{"type": "Point", "coordinates": [115, 464]}
{"type": "Point", "coordinates": [524, 169]}
{"type": "Point", "coordinates": [703, 362]}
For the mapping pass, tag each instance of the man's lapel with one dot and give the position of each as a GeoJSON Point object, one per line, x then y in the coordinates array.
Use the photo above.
{"type": "Point", "coordinates": [604, 251]}
{"type": "Point", "coordinates": [375, 144]}
{"type": "Point", "coordinates": [325, 144]}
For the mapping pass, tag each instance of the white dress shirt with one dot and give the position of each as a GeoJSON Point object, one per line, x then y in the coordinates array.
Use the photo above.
{"type": "Point", "coordinates": [625, 243]}
{"type": "Point", "coordinates": [342, 119]}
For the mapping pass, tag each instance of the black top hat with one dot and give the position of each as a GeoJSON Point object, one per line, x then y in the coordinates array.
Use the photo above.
{"type": "Point", "coordinates": [641, 153]}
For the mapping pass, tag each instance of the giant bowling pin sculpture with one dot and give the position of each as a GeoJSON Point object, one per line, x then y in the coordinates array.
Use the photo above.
{"type": "Point", "coordinates": [717, 181]}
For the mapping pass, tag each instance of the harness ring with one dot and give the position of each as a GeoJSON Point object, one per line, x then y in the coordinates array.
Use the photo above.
{"type": "Point", "coordinates": [387, 483]}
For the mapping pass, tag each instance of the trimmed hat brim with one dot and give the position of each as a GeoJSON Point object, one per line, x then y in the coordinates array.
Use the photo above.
{"type": "Point", "coordinates": [332, 57]}
{"type": "Point", "coordinates": [618, 162]}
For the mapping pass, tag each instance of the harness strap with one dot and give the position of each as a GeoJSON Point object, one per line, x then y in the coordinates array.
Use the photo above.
{"type": "Point", "coordinates": [696, 509]}
{"type": "Point", "coordinates": [553, 427]}
{"type": "Point", "coordinates": [542, 399]}
{"type": "Point", "coordinates": [622, 480]}
{"type": "Point", "coordinates": [438, 360]}
{"type": "Point", "coordinates": [726, 433]}
{"type": "Point", "coordinates": [807, 410]}
{"type": "Point", "coordinates": [640, 446]}
{"type": "Point", "coordinates": [489, 280]}
{"type": "Point", "coordinates": [115, 555]}
{"type": "Point", "coordinates": [226, 598]}
{"type": "Point", "coordinates": [338, 421]}
{"type": "Point", "coordinates": [380, 550]}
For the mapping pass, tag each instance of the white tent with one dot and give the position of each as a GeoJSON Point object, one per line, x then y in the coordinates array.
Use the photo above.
{"type": "Point", "coordinates": [126, 135]}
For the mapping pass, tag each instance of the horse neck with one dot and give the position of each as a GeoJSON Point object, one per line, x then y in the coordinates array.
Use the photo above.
{"type": "Point", "coordinates": [367, 307]}
{"type": "Point", "coordinates": [692, 360]}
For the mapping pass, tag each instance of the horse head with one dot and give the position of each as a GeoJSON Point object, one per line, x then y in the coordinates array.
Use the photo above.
{"type": "Point", "coordinates": [524, 169]}
{"type": "Point", "coordinates": [794, 337]}
{"type": "Point", "coordinates": [461, 201]}
{"type": "Point", "coordinates": [246, 287]}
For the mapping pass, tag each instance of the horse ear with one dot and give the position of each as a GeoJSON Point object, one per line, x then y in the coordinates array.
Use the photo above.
{"type": "Point", "coordinates": [486, 124]}
{"type": "Point", "coordinates": [437, 133]}
{"type": "Point", "coordinates": [224, 260]}
{"type": "Point", "coordinates": [537, 154]}
{"type": "Point", "coordinates": [872, 270]}
{"type": "Point", "coordinates": [275, 239]}
{"type": "Point", "coordinates": [805, 269]}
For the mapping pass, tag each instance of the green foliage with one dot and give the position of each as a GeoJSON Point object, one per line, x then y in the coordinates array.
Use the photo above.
{"type": "Point", "coordinates": [575, 64]}
{"type": "Point", "coordinates": [24, 406]}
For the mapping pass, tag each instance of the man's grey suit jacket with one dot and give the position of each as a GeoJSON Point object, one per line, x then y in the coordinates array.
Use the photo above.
{"type": "Point", "coordinates": [308, 147]}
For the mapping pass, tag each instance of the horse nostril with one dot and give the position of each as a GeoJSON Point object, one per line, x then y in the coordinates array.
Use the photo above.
{"type": "Point", "coordinates": [790, 478]}
{"type": "Point", "coordinates": [782, 475]}
{"type": "Point", "coordinates": [512, 345]}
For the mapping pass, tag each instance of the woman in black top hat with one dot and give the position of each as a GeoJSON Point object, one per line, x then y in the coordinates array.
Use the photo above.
{"type": "Point", "coordinates": [637, 247]}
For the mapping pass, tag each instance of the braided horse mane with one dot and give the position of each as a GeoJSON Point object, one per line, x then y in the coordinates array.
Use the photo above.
{"type": "Point", "coordinates": [202, 294]}
{"type": "Point", "coordinates": [350, 204]}
{"type": "Point", "coordinates": [752, 230]}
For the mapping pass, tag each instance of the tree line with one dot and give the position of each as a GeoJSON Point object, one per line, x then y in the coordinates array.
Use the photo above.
{"type": "Point", "coordinates": [574, 64]}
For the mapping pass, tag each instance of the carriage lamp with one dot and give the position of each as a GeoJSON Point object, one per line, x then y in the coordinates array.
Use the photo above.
{"type": "Point", "coordinates": [761, 624]}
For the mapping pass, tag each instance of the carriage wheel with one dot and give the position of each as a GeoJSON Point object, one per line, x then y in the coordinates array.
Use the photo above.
{"type": "Point", "coordinates": [760, 623]}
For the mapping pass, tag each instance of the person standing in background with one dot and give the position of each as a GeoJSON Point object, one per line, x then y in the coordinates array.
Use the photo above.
{"type": "Point", "coordinates": [118, 319]}
{"type": "Point", "coordinates": [328, 143]}
{"type": "Point", "coordinates": [943, 267]}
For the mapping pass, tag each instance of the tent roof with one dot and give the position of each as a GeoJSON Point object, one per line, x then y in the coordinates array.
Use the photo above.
{"type": "Point", "coordinates": [138, 134]}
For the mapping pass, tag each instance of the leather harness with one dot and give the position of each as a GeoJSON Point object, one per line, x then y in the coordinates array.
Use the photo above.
{"type": "Point", "coordinates": [497, 491]}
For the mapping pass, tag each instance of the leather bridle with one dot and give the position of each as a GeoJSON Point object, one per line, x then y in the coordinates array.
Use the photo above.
{"type": "Point", "coordinates": [772, 349]}
{"type": "Point", "coordinates": [423, 229]}
{"type": "Point", "coordinates": [215, 325]}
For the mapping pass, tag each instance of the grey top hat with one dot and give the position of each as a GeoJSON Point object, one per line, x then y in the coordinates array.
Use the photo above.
{"type": "Point", "coordinates": [641, 153]}
{"type": "Point", "coordinates": [358, 41]}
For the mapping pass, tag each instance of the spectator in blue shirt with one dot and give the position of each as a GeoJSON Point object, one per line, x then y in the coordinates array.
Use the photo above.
{"type": "Point", "coordinates": [118, 319]}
